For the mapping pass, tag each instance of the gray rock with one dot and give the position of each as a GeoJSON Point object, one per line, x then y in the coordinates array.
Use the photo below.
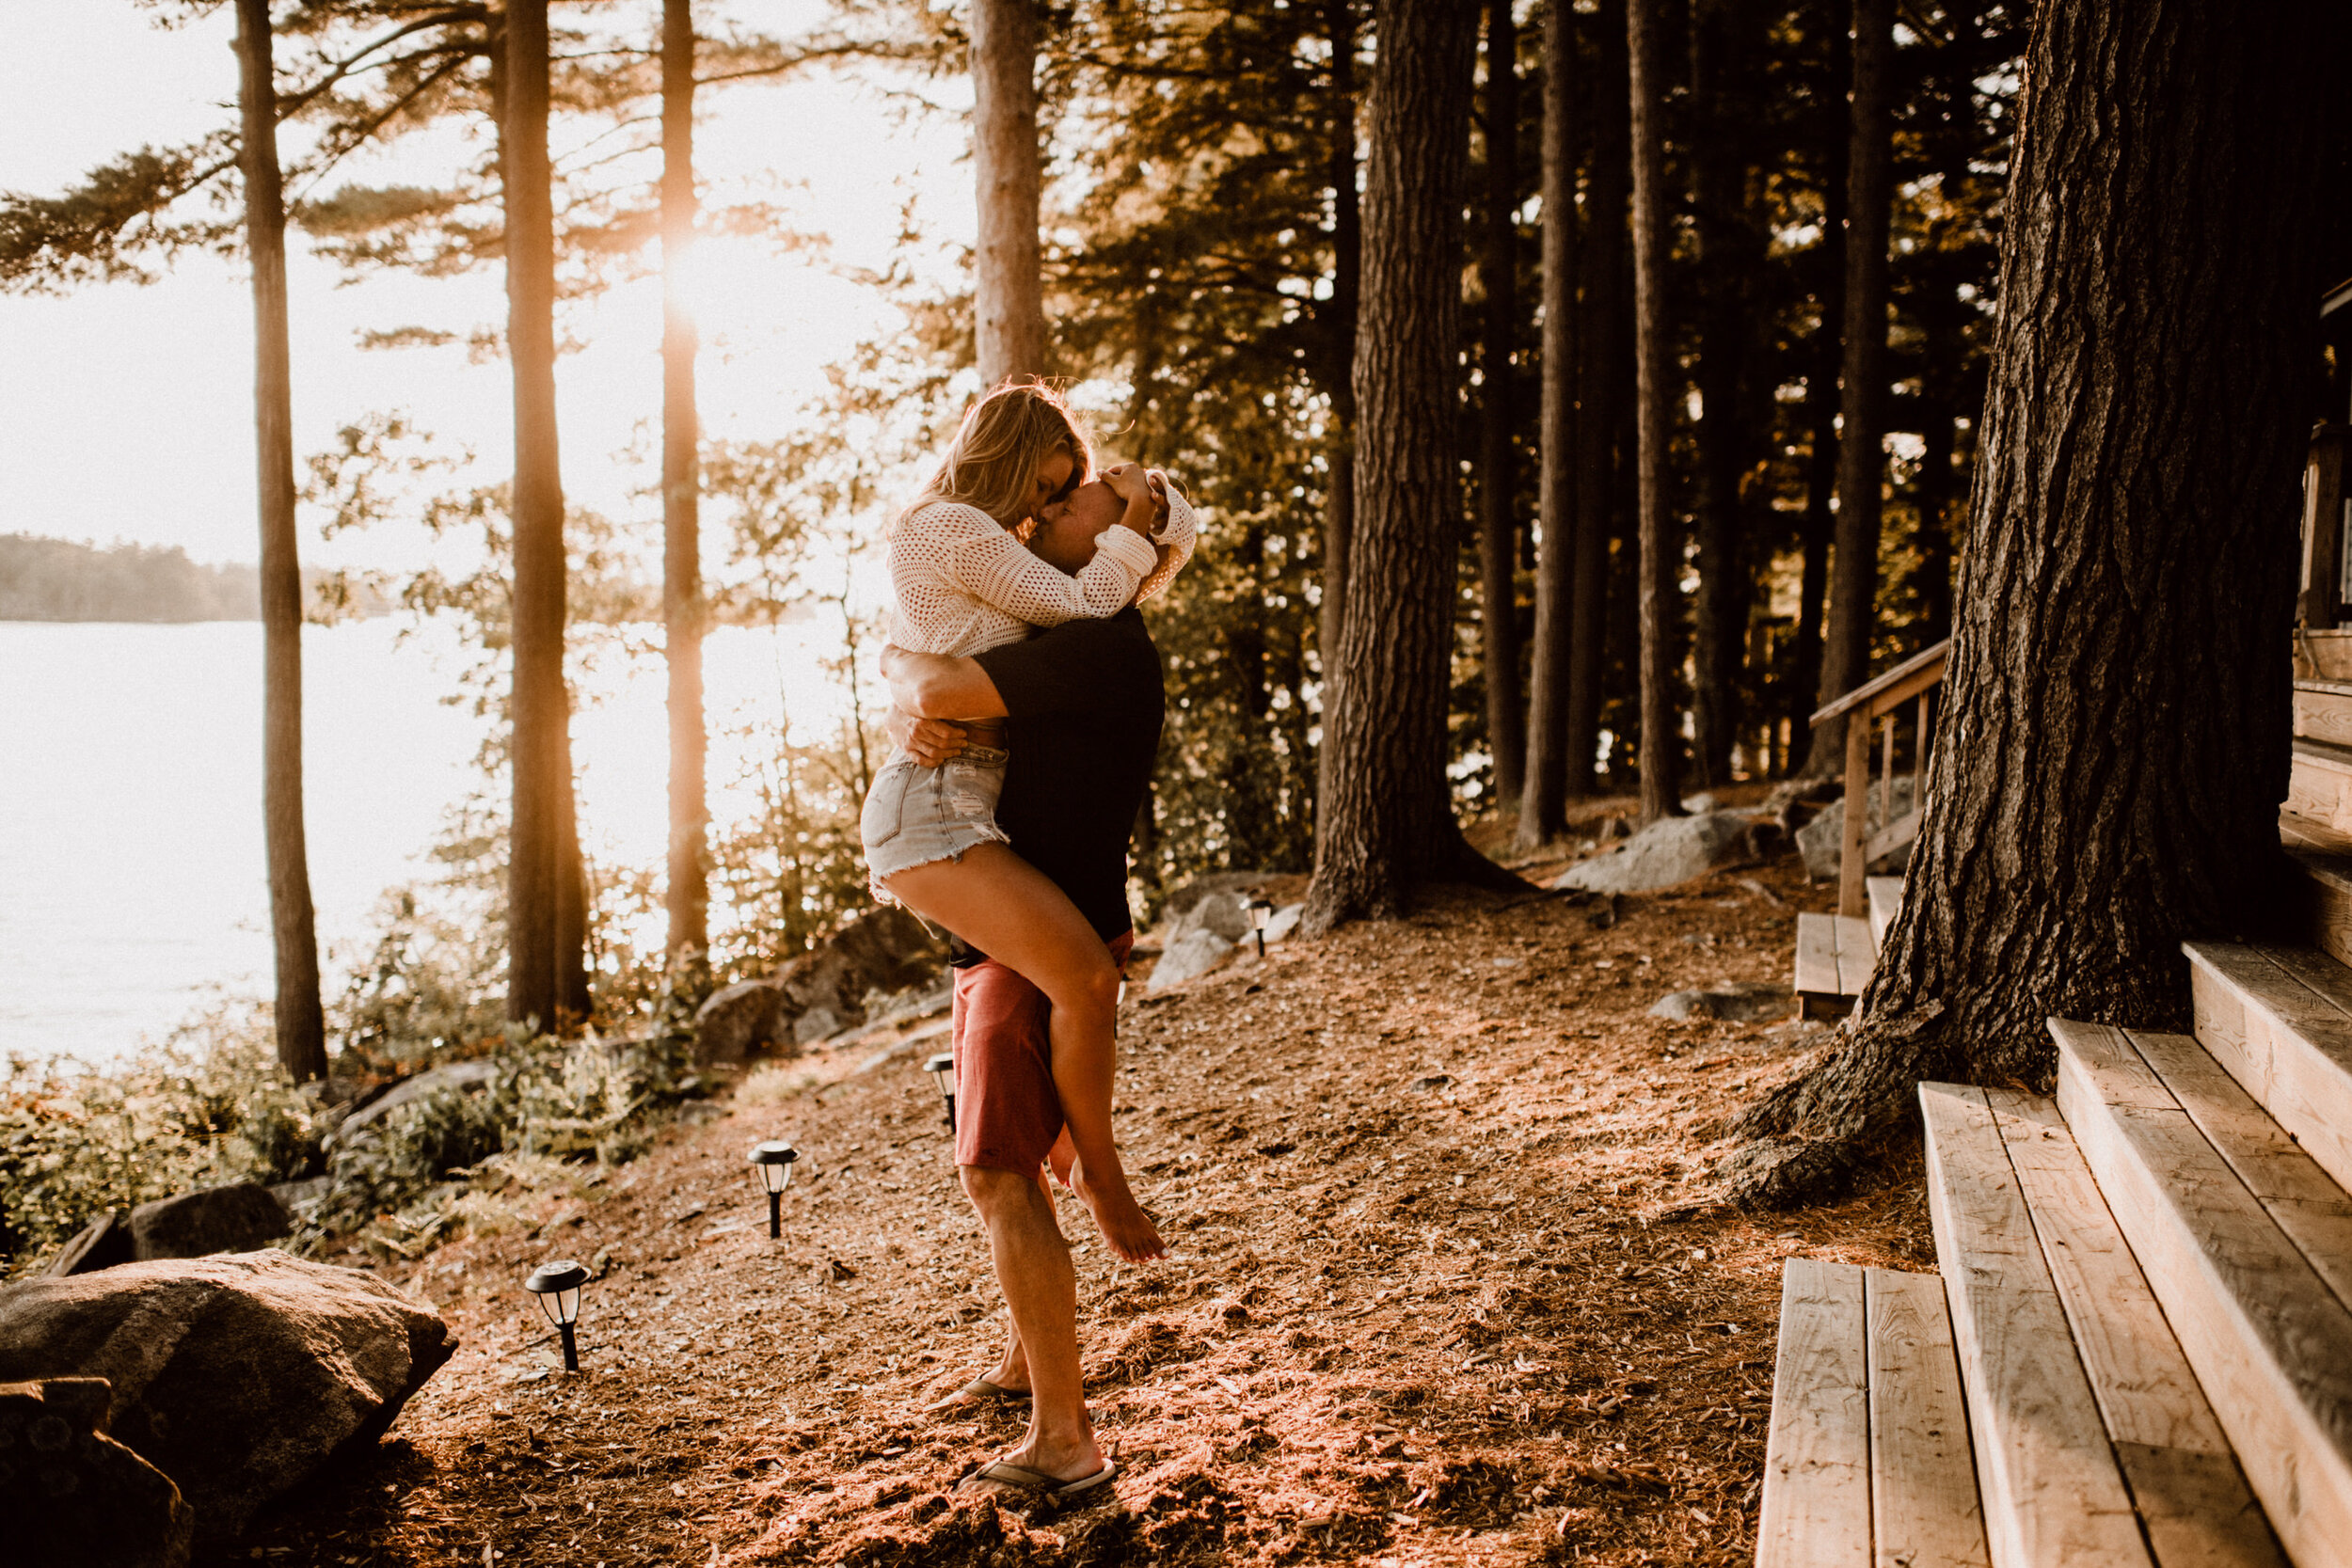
{"type": "Point", "coordinates": [455, 1075]}
{"type": "Point", "coordinates": [1241, 883]}
{"type": "Point", "coordinates": [302, 1196]}
{"type": "Point", "coordinates": [73, 1497]}
{"type": "Point", "coordinates": [237, 1376]}
{"type": "Point", "coordinates": [1188, 958]}
{"type": "Point", "coordinates": [1285, 922]}
{"type": "Point", "coordinates": [1226, 913]}
{"type": "Point", "coordinates": [1740, 1002]}
{"type": "Point", "coordinates": [1672, 850]}
{"type": "Point", "coordinates": [195, 1225]}
{"type": "Point", "coordinates": [884, 950]}
{"type": "Point", "coordinates": [1821, 841]}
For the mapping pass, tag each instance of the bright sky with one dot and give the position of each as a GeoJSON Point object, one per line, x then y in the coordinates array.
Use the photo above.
{"type": "Point", "coordinates": [125, 412]}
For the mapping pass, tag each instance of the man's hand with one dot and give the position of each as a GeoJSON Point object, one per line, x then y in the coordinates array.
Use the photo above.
{"type": "Point", "coordinates": [935, 685]}
{"type": "Point", "coordinates": [929, 741]}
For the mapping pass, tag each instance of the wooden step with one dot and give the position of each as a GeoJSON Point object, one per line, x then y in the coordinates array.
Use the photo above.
{"type": "Point", "coordinates": [2323, 654]}
{"type": "Point", "coordinates": [2093, 1444]}
{"type": "Point", "coordinates": [2319, 783]}
{"type": "Point", "coordinates": [1834, 955]}
{"type": "Point", "coordinates": [2218, 1207]}
{"type": "Point", "coordinates": [2279, 1019]}
{"type": "Point", "coordinates": [1886, 901]}
{"type": "Point", "coordinates": [1868, 1459]}
{"type": "Point", "coordinates": [2323, 711]}
{"type": "Point", "coordinates": [2324, 856]}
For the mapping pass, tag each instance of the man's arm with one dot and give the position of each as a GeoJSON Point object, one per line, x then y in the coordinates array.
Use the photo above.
{"type": "Point", "coordinates": [933, 686]}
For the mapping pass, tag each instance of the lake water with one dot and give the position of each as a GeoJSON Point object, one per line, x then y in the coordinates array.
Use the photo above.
{"type": "Point", "coordinates": [132, 886]}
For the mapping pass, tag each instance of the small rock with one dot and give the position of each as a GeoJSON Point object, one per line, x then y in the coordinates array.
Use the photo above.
{"type": "Point", "coordinates": [690, 1214]}
{"type": "Point", "coordinates": [73, 1497]}
{"type": "Point", "coordinates": [238, 1376]}
{"type": "Point", "coordinates": [1430, 1084]}
{"type": "Point", "coordinates": [1284, 922]}
{"type": "Point", "coordinates": [464, 1076]}
{"type": "Point", "coordinates": [196, 1224]}
{"type": "Point", "coordinates": [1743, 1002]}
{"type": "Point", "coordinates": [833, 1272]}
{"type": "Point", "coordinates": [1188, 958]}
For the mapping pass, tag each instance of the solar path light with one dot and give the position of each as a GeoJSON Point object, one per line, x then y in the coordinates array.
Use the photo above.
{"type": "Point", "coordinates": [943, 1070]}
{"type": "Point", "coordinates": [1260, 914]}
{"type": "Point", "coordinates": [774, 1159]}
{"type": "Point", "coordinates": [557, 1284]}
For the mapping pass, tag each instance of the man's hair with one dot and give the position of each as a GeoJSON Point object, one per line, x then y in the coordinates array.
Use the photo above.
{"type": "Point", "coordinates": [1006, 437]}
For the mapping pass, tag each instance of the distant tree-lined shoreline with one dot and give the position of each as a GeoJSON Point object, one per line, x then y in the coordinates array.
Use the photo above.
{"type": "Point", "coordinates": [62, 580]}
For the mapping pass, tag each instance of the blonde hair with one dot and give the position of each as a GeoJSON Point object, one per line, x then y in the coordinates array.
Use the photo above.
{"type": "Point", "coordinates": [1005, 439]}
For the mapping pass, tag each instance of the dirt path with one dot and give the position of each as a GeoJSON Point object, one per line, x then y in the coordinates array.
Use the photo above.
{"type": "Point", "coordinates": [1426, 1303]}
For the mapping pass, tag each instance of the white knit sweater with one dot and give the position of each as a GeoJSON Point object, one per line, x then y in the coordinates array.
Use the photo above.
{"type": "Point", "coordinates": [961, 583]}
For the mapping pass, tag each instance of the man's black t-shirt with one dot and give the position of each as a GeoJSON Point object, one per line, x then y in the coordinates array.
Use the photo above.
{"type": "Point", "coordinates": [1084, 703]}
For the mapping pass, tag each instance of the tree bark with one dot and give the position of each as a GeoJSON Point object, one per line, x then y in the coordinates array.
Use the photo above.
{"type": "Point", "coordinates": [1543, 803]}
{"type": "Point", "coordinates": [688, 890]}
{"type": "Point", "coordinates": [538, 871]}
{"type": "Point", "coordinates": [1010, 297]}
{"type": "Point", "coordinates": [2116, 746]}
{"type": "Point", "coordinates": [1862, 403]}
{"type": "Point", "coordinates": [1338, 515]}
{"type": "Point", "coordinates": [1498, 521]}
{"type": "Point", "coordinates": [1660, 594]}
{"type": "Point", "coordinates": [299, 1022]}
{"type": "Point", "coordinates": [1388, 820]}
{"type": "Point", "coordinates": [1722, 41]}
{"type": "Point", "coordinates": [1817, 526]}
{"type": "Point", "coordinates": [1601, 381]}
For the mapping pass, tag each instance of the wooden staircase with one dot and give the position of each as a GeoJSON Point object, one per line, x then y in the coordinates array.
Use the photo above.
{"type": "Point", "coordinates": [2144, 1320]}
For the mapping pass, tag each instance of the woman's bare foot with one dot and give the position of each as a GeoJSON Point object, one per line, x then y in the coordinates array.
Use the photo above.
{"type": "Point", "coordinates": [1126, 1227]}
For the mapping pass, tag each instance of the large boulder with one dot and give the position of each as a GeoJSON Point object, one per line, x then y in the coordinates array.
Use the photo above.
{"type": "Point", "coordinates": [237, 1376]}
{"type": "Point", "coordinates": [455, 1077]}
{"type": "Point", "coordinates": [1671, 849]}
{"type": "Point", "coordinates": [1188, 958]}
{"type": "Point", "coordinates": [1823, 840]}
{"type": "Point", "coordinates": [72, 1495]}
{"type": "Point", "coordinates": [242, 1218]}
{"type": "Point", "coordinates": [822, 992]}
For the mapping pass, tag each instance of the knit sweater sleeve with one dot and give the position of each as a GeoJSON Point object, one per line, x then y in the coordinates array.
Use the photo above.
{"type": "Point", "coordinates": [967, 549]}
{"type": "Point", "coordinates": [1179, 533]}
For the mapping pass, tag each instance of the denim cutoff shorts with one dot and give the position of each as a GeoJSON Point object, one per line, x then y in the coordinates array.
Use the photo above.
{"type": "Point", "coordinates": [916, 815]}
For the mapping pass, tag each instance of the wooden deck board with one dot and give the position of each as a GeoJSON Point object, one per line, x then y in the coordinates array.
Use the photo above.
{"type": "Point", "coordinates": [1886, 901]}
{"type": "Point", "coordinates": [1924, 1510]}
{"type": "Point", "coordinates": [2053, 1493]}
{"type": "Point", "coordinates": [2287, 1045]}
{"type": "Point", "coordinates": [1816, 1455]}
{"type": "Point", "coordinates": [2270, 1343]}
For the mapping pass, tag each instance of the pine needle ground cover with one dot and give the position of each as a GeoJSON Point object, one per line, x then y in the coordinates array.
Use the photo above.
{"type": "Point", "coordinates": [1440, 1294]}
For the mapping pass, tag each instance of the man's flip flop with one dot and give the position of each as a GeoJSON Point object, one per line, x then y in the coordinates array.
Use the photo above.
{"type": "Point", "coordinates": [980, 1391]}
{"type": "Point", "coordinates": [1038, 1483]}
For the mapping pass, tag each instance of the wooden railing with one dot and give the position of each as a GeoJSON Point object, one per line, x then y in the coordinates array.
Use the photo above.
{"type": "Point", "coordinates": [2321, 594]}
{"type": "Point", "coordinates": [1876, 704]}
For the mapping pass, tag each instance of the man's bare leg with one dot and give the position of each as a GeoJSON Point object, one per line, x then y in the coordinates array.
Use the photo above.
{"type": "Point", "coordinates": [1040, 1289]}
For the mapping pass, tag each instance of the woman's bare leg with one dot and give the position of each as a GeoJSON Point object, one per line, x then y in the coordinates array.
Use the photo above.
{"type": "Point", "coordinates": [1006, 907]}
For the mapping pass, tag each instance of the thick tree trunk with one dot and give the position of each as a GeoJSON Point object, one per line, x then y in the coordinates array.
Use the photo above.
{"type": "Point", "coordinates": [1602, 390]}
{"type": "Point", "coordinates": [539, 868]}
{"type": "Point", "coordinates": [1543, 804]}
{"type": "Point", "coordinates": [1008, 289]}
{"type": "Point", "coordinates": [1498, 487]}
{"type": "Point", "coordinates": [1721, 42]}
{"type": "Point", "coordinates": [1339, 514]}
{"type": "Point", "coordinates": [300, 1025]}
{"type": "Point", "coordinates": [2108, 776]}
{"type": "Point", "coordinates": [1818, 524]}
{"type": "Point", "coordinates": [1862, 403]}
{"type": "Point", "coordinates": [1388, 818]}
{"type": "Point", "coordinates": [688, 892]}
{"type": "Point", "coordinates": [1659, 591]}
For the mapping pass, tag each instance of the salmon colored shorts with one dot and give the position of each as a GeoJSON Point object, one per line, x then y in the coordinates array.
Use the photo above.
{"type": "Point", "coordinates": [1007, 1112]}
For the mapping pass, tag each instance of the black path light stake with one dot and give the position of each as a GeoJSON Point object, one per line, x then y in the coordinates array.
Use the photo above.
{"type": "Point", "coordinates": [1260, 914]}
{"type": "Point", "coordinates": [557, 1284]}
{"type": "Point", "coordinates": [774, 1159]}
{"type": "Point", "coordinates": [943, 1070]}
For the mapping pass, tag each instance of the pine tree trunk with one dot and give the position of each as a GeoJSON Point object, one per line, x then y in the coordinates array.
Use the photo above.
{"type": "Point", "coordinates": [687, 889]}
{"type": "Point", "coordinates": [1602, 391]}
{"type": "Point", "coordinates": [1722, 41]}
{"type": "Point", "coordinates": [1387, 822]}
{"type": "Point", "coordinates": [1498, 488]}
{"type": "Point", "coordinates": [299, 1022]}
{"type": "Point", "coordinates": [1659, 588]}
{"type": "Point", "coordinates": [1338, 379]}
{"type": "Point", "coordinates": [2108, 776]}
{"type": "Point", "coordinates": [1543, 805]}
{"type": "Point", "coordinates": [537, 872]}
{"type": "Point", "coordinates": [1817, 526]}
{"type": "Point", "coordinates": [1862, 402]}
{"type": "Point", "coordinates": [1009, 296]}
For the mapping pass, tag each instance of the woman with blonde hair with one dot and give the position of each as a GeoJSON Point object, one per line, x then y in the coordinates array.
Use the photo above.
{"type": "Point", "coordinates": [963, 582]}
